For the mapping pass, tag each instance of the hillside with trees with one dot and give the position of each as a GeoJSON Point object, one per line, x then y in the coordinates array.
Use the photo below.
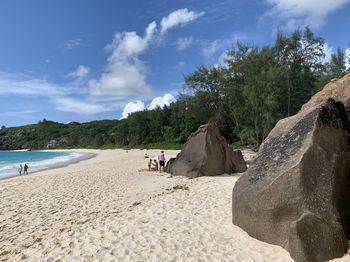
{"type": "Point", "coordinates": [245, 97]}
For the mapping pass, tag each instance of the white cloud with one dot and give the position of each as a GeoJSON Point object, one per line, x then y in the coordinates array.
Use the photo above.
{"type": "Point", "coordinates": [347, 55]}
{"type": "Point", "coordinates": [222, 60]}
{"type": "Point", "coordinates": [328, 51]}
{"type": "Point", "coordinates": [178, 17]}
{"type": "Point", "coordinates": [122, 79]}
{"type": "Point", "coordinates": [132, 107]}
{"type": "Point", "coordinates": [126, 74]}
{"type": "Point", "coordinates": [160, 101]}
{"type": "Point", "coordinates": [15, 85]}
{"type": "Point", "coordinates": [80, 72]}
{"type": "Point", "coordinates": [58, 95]}
{"type": "Point", "coordinates": [183, 42]}
{"type": "Point", "coordinates": [298, 13]}
{"type": "Point", "coordinates": [72, 43]}
{"type": "Point", "coordinates": [19, 114]}
{"type": "Point", "coordinates": [130, 44]}
{"type": "Point", "coordinates": [167, 99]}
{"type": "Point", "coordinates": [79, 106]}
{"type": "Point", "coordinates": [180, 65]}
{"type": "Point", "coordinates": [212, 48]}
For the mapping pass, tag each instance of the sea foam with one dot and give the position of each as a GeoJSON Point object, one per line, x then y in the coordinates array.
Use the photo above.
{"type": "Point", "coordinates": [35, 160]}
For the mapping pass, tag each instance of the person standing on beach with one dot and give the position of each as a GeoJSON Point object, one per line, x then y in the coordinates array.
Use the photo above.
{"type": "Point", "coordinates": [161, 159]}
{"type": "Point", "coordinates": [25, 172]}
{"type": "Point", "coordinates": [20, 169]}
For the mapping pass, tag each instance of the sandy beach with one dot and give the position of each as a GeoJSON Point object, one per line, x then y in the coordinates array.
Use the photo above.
{"type": "Point", "coordinates": [103, 209]}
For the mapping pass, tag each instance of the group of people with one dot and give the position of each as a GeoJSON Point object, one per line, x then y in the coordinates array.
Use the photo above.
{"type": "Point", "coordinates": [154, 165]}
{"type": "Point", "coordinates": [23, 169]}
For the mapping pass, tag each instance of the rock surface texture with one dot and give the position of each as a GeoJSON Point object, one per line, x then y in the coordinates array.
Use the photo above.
{"type": "Point", "coordinates": [296, 193]}
{"type": "Point", "coordinates": [338, 89]}
{"type": "Point", "coordinates": [206, 153]}
{"type": "Point", "coordinates": [169, 164]}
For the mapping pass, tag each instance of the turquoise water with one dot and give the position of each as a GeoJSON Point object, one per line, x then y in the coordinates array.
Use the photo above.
{"type": "Point", "coordinates": [36, 160]}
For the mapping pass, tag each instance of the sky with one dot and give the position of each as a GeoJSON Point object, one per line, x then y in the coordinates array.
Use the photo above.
{"type": "Point", "coordinates": [86, 60]}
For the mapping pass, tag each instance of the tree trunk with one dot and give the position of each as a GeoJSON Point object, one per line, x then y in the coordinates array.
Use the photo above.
{"type": "Point", "coordinates": [289, 98]}
{"type": "Point", "coordinates": [237, 128]}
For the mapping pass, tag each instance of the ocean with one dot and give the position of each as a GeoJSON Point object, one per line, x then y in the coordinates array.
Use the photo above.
{"type": "Point", "coordinates": [36, 160]}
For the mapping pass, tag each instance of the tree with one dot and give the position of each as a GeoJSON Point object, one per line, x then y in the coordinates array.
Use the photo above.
{"type": "Point", "coordinates": [300, 55]}
{"type": "Point", "coordinates": [337, 64]}
{"type": "Point", "coordinates": [254, 82]}
{"type": "Point", "coordinates": [206, 85]}
{"type": "Point", "coordinates": [257, 86]}
{"type": "Point", "coordinates": [74, 138]}
{"type": "Point", "coordinates": [99, 140]}
{"type": "Point", "coordinates": [138, 127]}
{"type": "Point", "coordinates": [121, 133]}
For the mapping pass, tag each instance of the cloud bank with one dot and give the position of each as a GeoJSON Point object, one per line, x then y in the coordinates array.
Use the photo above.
{"type": "Point", "coordinates": [18, 114]}
{"type": "Point", "coordinates": [177, 18]}
{"type": "Point", "coordinates": [62, 97]}
{"type": "Point", "coordinates": [160, 101]}
{"type": "Point", "coordinates": [132, 107]}
{"type": "Point", "coordinates": [81, 106]}
{"type": "Point", "coordinates": [126, 73]}
{"type": "Point", "coordinates": [15, 85]}
{"type": "Point", "coordinates": [347, 55]}
{"type": "Point", "coordinates": [298, 13]}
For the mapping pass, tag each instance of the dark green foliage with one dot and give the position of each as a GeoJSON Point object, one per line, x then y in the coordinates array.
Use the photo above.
{"type": "Point", "coordinates": [260, 85]}
{"type": "Point", "coordinates": [337, 64]}
{"type": "Point", "coordinates": [300, 57]}
{"type": "Point", "coordinates": [41, 135]}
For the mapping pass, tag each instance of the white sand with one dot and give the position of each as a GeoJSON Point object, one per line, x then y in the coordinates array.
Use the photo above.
{"type": "Point", "coordinates": [85, 212]}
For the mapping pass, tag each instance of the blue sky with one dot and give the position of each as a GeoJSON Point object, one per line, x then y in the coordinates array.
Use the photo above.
{"type": "Point", "coordinates": [84, 60]}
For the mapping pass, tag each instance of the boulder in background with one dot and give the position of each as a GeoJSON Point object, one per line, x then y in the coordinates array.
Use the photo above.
{"type": "Point", "coordinates": [206, 153]}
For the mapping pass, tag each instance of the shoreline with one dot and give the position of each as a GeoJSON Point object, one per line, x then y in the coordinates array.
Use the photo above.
{"type": "Point", "coordinates": [84, 156]}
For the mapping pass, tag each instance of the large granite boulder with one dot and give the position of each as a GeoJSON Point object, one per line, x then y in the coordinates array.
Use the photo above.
{"type": "Point", "coordinates": [169, 164]}
{"type": "Point", "coordinates": [296, 193]}
{"type": "Point", "coordinates": [206, 153]}
{"type": "Point", "coordinates": [338, 89]}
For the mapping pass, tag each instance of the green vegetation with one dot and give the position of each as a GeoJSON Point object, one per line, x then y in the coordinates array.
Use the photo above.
{"type": "Point", "coordinates": [245, 98]}
{"type": "Point", "coordinates": [260, 85]}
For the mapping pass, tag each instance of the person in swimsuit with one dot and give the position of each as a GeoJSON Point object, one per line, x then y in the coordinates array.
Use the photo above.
{"type": "Point", "coordinates": [25, 170]}
{"type": "Point", "coordinates": [149, 165]}
{"type": "Point", "coordinates": [155, 165]}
